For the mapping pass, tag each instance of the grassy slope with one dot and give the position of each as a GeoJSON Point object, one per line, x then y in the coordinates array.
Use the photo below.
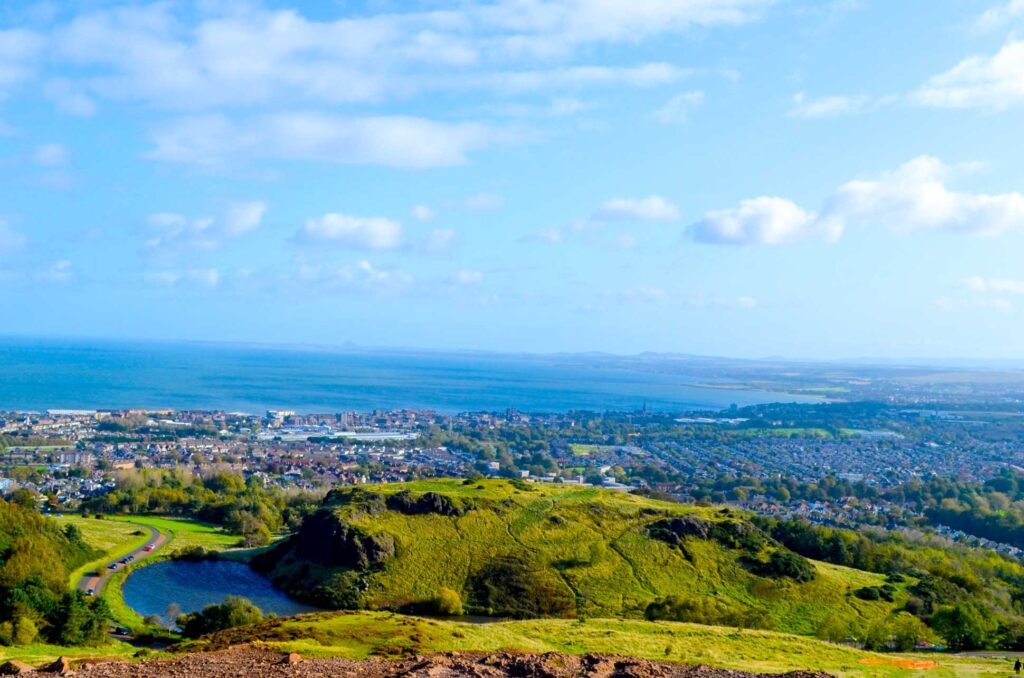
{"type": "Point", "coordinates": [603, 552]}
{"type": "Point", "coordinates": [362, 634]}
{"type": "Point", "coordinates": [114, 538]}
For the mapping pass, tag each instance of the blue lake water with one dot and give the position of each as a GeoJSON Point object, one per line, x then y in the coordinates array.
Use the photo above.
{"type": "Point", "coordinates": [45, 374]}
{"type": "Point", "coordinates": [193, 585]}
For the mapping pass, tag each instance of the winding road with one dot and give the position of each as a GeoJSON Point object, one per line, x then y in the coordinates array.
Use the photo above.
{"type": "Point", "coordinates": [96, 581]}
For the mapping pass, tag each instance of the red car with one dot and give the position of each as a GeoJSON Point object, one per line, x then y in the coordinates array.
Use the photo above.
{"type": "Point", "coordinates": [149, 547]}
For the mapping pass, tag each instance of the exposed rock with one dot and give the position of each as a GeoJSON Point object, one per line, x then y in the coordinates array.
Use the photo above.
{"type": "Point", "coordinates": [13, 667]}
{"type": "Point", "coordinates": [673, 530]}
{"type": "Point", "coordinates": [328, 540]}
{"type": "Point", "coordinates": [62, 667]}
{"type": "Point", "coordinates": [735, 534]}
{"type": "Point", "coordinates": [430, 502]}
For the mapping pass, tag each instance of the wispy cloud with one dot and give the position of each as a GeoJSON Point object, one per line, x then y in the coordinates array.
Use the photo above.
{"type": "Point", "coordinates": [169, 232]}
{"type": "Point", "coordinates": [216, 141]}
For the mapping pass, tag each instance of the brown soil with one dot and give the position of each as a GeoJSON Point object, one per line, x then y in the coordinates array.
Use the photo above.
{"type": "Point", "coordinates": [251, 661]}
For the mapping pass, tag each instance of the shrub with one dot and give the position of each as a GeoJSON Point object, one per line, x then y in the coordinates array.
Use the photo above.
{"type": "Point", "coordinates": [448, 603]}
{"type": "Point", "coordinates": [781, 564]}
{"type": "Point", "coordinates": [234, 611]}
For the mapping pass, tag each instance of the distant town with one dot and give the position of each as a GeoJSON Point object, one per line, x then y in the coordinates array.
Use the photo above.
{"type": "Point", "coordinates": [841, 464]}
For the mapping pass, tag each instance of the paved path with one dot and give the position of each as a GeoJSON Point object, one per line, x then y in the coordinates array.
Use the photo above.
{"type": "Point", "coordinates": [96, 582]}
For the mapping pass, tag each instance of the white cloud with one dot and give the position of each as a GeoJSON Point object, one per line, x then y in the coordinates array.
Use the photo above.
{"type": "Point", "coordinates": [10, 240]}
{"type": "Point", "coordinates": [1000, 15]}
{"type": "Point", "coordinates": [69, 98]}
{"type": "Point", "coordinates": [823, 107]}
{"type": "Point", "coordinates": [171, 232]}
{"type": "Point", "coordinates": [243, 217]}
{"type": "Point", "coordinates": [982, 285]}
{"type": "Point", "coordinates": [557, 26]}
{"type": "Point", "coordinates": [370, 233]}
{"type": "Point", "coordinates": [50, 156]}
{"type": "Point", "coordinates": [912, 198]}
{"type": "Point", "coordinates": [397, 141]}
{"type": "Point", "coordinates": [423, 213]}
{"type": "Point", "coordinates": [195, 277]}
{"type": "Point", "coordinates": [60, 271]}
{"type": "Point", "coordinates": [915, 197]}
{"type": "Point", "coordinates": [19, 50]}
{"type": "Point", "coordinates": [677, 109]}
{"type": "Point", "coordinates": [481, 202]}
{"type": "Point", "coordinates": [239, 54]}
{"type": "Point", "coordinates": [760, 221]}
{"type": "Point", "coordinates": [577, 77]}
{"type": "Point", "coordinates": [993, 82]}
{"type": "Point", "coordinates": [361, 276]}
{"type": "Point", "coordinates": [644, 293]}
{"type": "Point", "coordinates": [468, 276]}
{"type": "Point", "coordinates": [439, 240]}
{"type": "Point", "coordinates": [652, 208]}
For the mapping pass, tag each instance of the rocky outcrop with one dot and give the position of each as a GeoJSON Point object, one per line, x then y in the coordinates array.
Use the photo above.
{"type": "Point", "coordinates": [734, 534]}
{"type": "Point", "coordinates": [430, 502]}
{"type": "Point", "coordinates": [326, 539]}
{"type": "Point", "coordinates": [248, 661]}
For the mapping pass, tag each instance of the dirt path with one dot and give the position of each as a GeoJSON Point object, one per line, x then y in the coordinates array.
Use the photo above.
{"type": "Point", "coordinates": [98, 581]}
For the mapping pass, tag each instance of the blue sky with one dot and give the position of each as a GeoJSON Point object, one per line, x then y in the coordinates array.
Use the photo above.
{"type": "Point", "coordinates": [820, 179]}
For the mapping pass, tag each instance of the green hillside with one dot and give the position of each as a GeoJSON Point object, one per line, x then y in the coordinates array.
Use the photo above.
{"type": "Point", "coordinates": [515, 549]}
{"type": "Point", "coordinates": [36, 559]}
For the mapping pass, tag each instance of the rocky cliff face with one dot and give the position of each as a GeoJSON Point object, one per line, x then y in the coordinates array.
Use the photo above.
{"type": "Point", "coordinates": [326, 539]}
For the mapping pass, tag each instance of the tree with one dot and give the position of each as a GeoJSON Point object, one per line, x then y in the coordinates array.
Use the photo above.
{"type": "Point", "coordinates": [25, 498]}
{"type": "Point", "coordinates": [964, 627]}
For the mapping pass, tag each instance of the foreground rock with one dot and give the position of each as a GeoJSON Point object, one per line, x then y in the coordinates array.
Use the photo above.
{"type": "Point", "coordinates": [250, 661]}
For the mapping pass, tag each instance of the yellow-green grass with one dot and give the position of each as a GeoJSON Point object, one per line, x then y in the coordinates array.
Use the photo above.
{"type": "Point", "coordinates": [115, 539]}
{"type": "Point", "coordinates": [598, 548]}
{"type": "Point", "coordinates": [113, 593]}
{"type": "Point", "coordinates": [39, 654]}
{"type": "Point", "coordinates": [358, 635]}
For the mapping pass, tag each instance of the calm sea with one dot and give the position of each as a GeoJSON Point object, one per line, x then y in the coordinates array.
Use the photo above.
{"type": "Point", "coordinates": [47, 374]}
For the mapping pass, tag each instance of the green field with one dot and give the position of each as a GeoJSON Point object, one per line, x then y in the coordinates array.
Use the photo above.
{"type": "Point", "coordinates": [358, 635]}
{"type": "Point", "coordinates": [184, 532]}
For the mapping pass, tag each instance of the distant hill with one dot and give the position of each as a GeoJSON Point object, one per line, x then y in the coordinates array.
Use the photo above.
{"type": "Point", "coordinates": [516, 549]}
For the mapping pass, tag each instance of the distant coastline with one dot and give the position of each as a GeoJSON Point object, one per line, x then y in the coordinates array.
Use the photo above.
{"type": "Point", "coordinates": [41, 374]}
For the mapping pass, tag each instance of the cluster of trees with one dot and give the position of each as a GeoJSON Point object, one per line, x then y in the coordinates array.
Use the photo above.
{"type": "Point", "coordinates": [242, 506]}
{"type": "Point", "coordinates": [36, 558]}
{"type": "Point", "coordinates": [234, 611]}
